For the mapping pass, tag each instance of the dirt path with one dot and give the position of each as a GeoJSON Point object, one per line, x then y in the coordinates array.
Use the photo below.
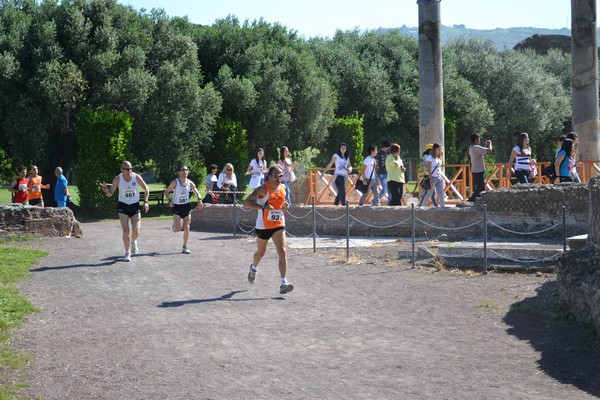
{"type": "Point", "coordinates": [174, 326]}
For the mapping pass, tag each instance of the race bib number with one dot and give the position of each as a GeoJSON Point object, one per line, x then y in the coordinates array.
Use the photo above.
{"type": "Point", "coordinates": [182, 199]}
{"type": "Point", "coordinates": [22, 187]}
{"type": "Point", "coordinates": [129, 194]}
{"type": "Point", "coordinates": [275, 215]}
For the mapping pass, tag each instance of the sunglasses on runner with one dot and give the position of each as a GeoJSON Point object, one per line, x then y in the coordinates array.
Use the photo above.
{"type": "Point", "coordinates": [277, 176]}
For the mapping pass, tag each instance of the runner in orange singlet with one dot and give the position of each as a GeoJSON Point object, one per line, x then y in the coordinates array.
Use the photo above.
{"type": "Point", "coordinates": [269, 200]}
{"type": "Point", "coordinates": [34, 188]}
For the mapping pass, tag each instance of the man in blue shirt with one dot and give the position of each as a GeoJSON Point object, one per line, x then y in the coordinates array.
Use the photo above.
{"type": "Point", "coordinates": [61, 190]}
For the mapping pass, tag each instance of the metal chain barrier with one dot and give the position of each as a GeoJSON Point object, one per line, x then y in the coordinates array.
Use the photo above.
{"type": "Point", "coordinates": [549, 258]}
{"type": "Point", "coordinates": [379, 226]}
{"type": "Point", "coordinates": [523, 233]}
{"type": "Point", "coordinates": [248, 229]}
{"type": "Point", "coordinates": [330, 219]}
{"type": "Point", "coordinates": [446, 228]}
{"type": "Point", "coordinates": [287, 211]}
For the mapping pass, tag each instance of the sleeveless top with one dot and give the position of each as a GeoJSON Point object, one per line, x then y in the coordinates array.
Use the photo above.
{"type": "Point", "coordinates": [129, 192]}
{"type": "Point", "coordinates": [257, 167]}
{"type": "Point", "coordinates": [36, 184]}
{"type": "Point", "coordinates": [181, 194]}
{"type": "Point", "coordinates": [341, 165]}
{"type": "Point", "coordinates": [522, 163]}
{"type": "Point", "coordinates": [270, 219]}
{"type": "Point", "coordinates": [21, 196]}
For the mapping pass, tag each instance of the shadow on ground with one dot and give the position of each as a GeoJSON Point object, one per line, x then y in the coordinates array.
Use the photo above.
{"type": "Point", "coordinates": [226, 297]}
{"type": "Point", "coordinates": [569, 350]}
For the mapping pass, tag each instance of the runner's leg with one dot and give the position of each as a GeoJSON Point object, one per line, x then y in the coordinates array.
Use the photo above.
{"type": "Point", "coordinates": [124, 220]}
{"type": "Point", "coordinates": [280, 245]}
{"type": "Point", "coordinates": [186, 229]}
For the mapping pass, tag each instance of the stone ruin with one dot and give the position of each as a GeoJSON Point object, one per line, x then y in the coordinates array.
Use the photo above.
{"type": "Point", "coordinates": [578, 271]}
{"type": "Point", "coordinates": [38, 221]}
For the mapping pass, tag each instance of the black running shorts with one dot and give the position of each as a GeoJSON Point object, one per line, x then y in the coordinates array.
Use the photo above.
{"type": "Point", "coordinates": [128, 209]}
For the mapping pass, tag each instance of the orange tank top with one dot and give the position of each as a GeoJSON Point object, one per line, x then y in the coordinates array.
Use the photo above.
{"type": "Point", "coordinates": [36, 185]}
{"type": "Point", "coordinates": [271, 219]}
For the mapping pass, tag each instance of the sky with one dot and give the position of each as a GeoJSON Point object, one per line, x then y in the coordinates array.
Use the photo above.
{"type": "Point", "coordinates": [311, 18]}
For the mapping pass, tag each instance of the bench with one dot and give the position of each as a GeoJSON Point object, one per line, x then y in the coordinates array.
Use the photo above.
{"type": "Point", "coordinates": [156, 195]}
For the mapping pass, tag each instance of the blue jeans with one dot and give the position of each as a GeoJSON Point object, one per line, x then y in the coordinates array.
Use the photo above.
{"type": "Point", "coordinates": [384, 186]}
{"type": "Point", "coordinates": [522, 175]}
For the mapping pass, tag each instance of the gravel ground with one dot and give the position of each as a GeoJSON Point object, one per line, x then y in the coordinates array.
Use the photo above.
{"type": "Point", "coordinates": [175, 326]}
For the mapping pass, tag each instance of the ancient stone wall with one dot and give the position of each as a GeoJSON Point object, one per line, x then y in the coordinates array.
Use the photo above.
{"type": "Point", "coordinates": [530, 208]}
{"type": "Point", "coordinates": [578, 272]}
{"type": "Point", "coordinates": [594, 213]}
{"type": "Point", "coordinates": [47, 221]}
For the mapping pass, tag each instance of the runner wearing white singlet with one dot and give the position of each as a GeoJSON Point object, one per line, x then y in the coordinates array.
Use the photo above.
{"type": "Point", "coordinates": [129, 184]}
{"type": "Point", "coordinates": [180, 204]}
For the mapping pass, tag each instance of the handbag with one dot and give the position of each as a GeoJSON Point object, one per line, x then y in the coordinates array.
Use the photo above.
{"type": "Point", "coordinates": [360, 186]}
{"type": "Point", "coordinates": [426, 182]}
{"type": "Point", "coordinates": [292, 176]}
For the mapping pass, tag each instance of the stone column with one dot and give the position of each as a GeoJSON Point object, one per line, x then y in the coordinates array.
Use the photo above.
{"type": "Point", "coordinates": [584, 50]}
{"type": "Point", "coordinates": [431, 105]}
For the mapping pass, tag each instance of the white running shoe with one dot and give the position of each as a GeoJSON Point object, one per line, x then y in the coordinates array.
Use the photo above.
{"type": "Point", "coordinates": [252, 275]}
{"type": "Point", "coordinates": [134, 247]}
{"type": "Point", "coordinates": [286, 288]}
{"type": "Point", "coordinates": [185, 250]}
{"type": "Point", "coordinates": [127, 257]}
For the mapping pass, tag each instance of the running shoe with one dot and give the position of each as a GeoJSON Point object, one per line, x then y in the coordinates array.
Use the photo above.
{"type": "Point", "coordinates": [252, 275]}
{"type": "Point", "coordinates": [186, 250]}
{"type": "Point", "coordinates": [127, 257]}
{"type": "Point", "coordinates": [134, 247]}
{"type": "Point", "coordinates": [286, 288]}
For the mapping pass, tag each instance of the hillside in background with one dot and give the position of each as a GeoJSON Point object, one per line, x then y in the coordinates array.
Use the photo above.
{"type": "Point", "coordinates": [503, 38]}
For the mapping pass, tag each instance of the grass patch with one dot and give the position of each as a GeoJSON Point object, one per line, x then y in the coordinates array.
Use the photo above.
{"type": "Point", "coordinates": [14, 265]}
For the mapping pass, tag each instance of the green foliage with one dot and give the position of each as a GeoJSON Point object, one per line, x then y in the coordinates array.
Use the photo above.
{"type": "Point", "coordinates": [304, 158]}
{"type": "Point", "coordinates": [450, 149]}
{"type": "Point", "coordinates": [269, 81]}
{"type": "Point", "coordinates": [14, 265]}
{"type": "Point", "coordinates": [104, 139]}
{"type": "Point", "coordinates": [230, 144]}
{"type": "Point", "coordinates": [176, 79]}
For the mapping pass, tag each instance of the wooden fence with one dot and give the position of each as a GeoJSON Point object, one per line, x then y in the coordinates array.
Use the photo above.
{"type": "Point", "coordinates": [458, 178]}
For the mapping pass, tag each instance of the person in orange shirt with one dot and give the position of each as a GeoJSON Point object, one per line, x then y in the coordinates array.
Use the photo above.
{"type": "Point", "coordinates": [269, 200]}
{"type": "Point", "coordinates": [34, 188]}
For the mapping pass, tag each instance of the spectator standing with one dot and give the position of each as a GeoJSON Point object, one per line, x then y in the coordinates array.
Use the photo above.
{"type": "Point", "coordinates": [395, 175]}
{"type": "Point", "coordinates": [476, 152]}
{"type": "Point", "coordinates": [562, 164]}
{"type": "Point", "coordinates": [18, 187]}
{"type": "Point", "coordinates": [434, 170]}
{"type": "Point", "coordinates": [227, 183]}
{"type": "Point", "coordinates": [521, 156]}
{"type": "Point", "coordinates": [382, 155]}
{"type": "Point", "coordinates": [343, 167]}
{"type": "Point", "coordinates": [210, 184]}
{"type": "Point", "coordinates": [34, 188]}
{"type": "Point", "coordinates": [257, 169]}
{"type": "Point", "coordinates": [128, 183]}
{"type": "Point", "coordinates": [269, 201]}
{"type": "Point", "coordinates": [180, 204]}
{"type": "Point", "coordinates": [288, 171]}
{"type": "Point", "coordinates": [368, 176]}
{"type": "Point", "coordinates": [61, 190]}
{"type": "Point", "coordinates": [423, 172]}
